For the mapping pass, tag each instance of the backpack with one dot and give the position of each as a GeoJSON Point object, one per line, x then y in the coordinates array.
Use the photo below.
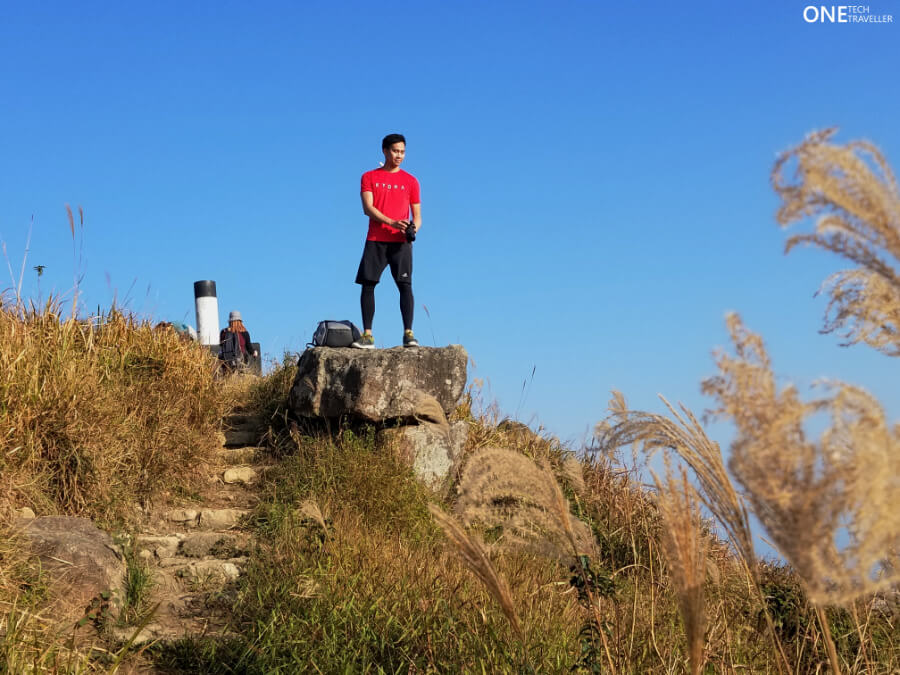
{"type": "Point", "coordinates": [335, 334]}
{"type": "Point", "coordinates": [230, 350]}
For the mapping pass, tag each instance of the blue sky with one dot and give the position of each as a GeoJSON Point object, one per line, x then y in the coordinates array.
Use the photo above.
{"type": "Point", "coordinates": [595, 176]}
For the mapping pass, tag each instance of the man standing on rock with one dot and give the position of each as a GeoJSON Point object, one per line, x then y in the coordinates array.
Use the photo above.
{"type": "Point", "coordinates": [388, 195]}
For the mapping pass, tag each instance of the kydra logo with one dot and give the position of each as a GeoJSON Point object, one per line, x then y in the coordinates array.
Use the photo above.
{"type": "Point", "coordinates": [843, 14]}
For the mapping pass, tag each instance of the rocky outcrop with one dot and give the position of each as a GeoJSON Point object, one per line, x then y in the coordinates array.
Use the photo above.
{"type": "Point", "coordinates": [81, 563]}
{"type": "Point", "coordinates": [377, 385]}
{"type": "Point", "coordinates": [430, 449]}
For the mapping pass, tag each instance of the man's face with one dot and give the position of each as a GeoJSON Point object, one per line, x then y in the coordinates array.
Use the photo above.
{"type": "Point", "coordinates": [393, 154]}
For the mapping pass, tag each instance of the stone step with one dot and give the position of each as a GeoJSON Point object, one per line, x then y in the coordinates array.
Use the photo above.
{"type": "Point", "coordinates": [188, 517]}
{"type": "Point", "coordinates": [244, 455]}
{"type": "Point", "coordinates": [242, 475]}
{"type": "Point", "coordinates": [151, 547]}
{"type": "Point", "coordinates": [210, 519]}
{"type": "Point", "coordinates": [154, 548]}
{"type": "Point", "coordinates": [237, 439]}
{"type": "Point", "coordinates": [221, 519]}
{"type": "Point", "coordinates": [175, 623]}
{"type": "Point", "coordinates": [241, 421]}
{"type": "Point", "coordinates": [205, 571]}
{"type": "Point", "coordinates": [215, 544]}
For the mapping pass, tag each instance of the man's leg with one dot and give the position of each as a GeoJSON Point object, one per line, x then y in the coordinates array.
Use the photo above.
{"type": "Point", "coordinates": [401, 270]}
{"type": "Point", "coordinates": [407, 304]}
{"type": "Point", "coordinates": [367, 304]}
{"type": "Point", "coordinates": [406, 311]}
{"type": "Point", "coordinates": [373, 262]}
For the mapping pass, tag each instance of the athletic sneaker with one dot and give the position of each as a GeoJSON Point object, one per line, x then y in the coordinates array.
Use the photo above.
{"type": "Point", "coordinates": [365, 341]}
{"type": "Point", "coordinates": [409, 339]}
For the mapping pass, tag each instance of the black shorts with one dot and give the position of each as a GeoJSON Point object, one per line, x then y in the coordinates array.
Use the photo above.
{"type": "Point", "coordinates": [379, 254]}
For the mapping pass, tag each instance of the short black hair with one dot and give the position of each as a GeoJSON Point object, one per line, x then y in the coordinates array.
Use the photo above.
{"type": "Point", "coordinates": [390, 139]}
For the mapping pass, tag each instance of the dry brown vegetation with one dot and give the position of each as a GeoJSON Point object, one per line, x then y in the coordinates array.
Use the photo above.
{"type": "Point", "coordinates": [99, 415]}
{"type": "Point", "coordinates": [853, 193]}
{"type": "Point", "coordinates": [685, 546]}
{"type": "Point", "coordinates": [505, 490]}
{"type": "Point", "coordinates": [807, 493]}
{"type": "Point", "coordinates": [831, 506]}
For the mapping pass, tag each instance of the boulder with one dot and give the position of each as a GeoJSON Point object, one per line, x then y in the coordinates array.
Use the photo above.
{"type": "Point", "coordinates": [431, 450]}
{"type": "Point", "coordinates": [377, 385]}
{"type": "Point", "coordinates": [81, 562]}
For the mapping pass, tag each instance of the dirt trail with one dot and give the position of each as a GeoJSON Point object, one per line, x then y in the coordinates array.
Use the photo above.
{"type": "Point", "coordinates": [196, 552]}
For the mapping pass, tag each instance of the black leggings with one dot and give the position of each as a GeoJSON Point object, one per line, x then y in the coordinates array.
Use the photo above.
{"type": "Point", "coordinates": [367, 303]}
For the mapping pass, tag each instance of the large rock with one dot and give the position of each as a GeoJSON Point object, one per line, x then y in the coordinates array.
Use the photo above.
{"type": "Point", "coordinates": [81, 563]}
{"type": "Point", "coordinates": [431, 450]}
{"type": "Point", "coordinates": [377, 385]}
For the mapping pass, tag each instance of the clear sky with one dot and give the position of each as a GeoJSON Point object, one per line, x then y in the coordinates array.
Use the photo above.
{"type": "Point", "coordinates": [595, 175]}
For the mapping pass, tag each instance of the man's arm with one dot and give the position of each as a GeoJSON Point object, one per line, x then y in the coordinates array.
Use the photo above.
{"type": "Point", "coordinates": [373, 213]}
{"type": "Point", "coordinates": [417, 215]}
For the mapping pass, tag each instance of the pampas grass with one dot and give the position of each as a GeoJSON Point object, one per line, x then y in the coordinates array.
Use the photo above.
{"type": "Point", "coordinates": [506, 490]}
{"type": "Point", "coordinates": [475, 557]}
{"type": "Point", "coordinates": [685, 436]}
{"type": "Point", "coordinates": [832, 506]}
{"type": "Point", "coordinates": [686, 551]}
{"type": "Point", "coordinates": [854, 195]}
{"type": "Point", "coordinates": [429, 411]}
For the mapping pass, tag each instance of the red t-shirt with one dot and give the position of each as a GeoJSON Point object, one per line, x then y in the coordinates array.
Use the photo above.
{"type": "Point", "coordinates": [392, 193]}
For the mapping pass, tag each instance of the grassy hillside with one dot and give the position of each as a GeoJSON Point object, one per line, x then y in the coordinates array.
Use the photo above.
{"type": "Point", "coordinates": [98, 418]}
{"type": "Point", "coordinates": [353, 573]}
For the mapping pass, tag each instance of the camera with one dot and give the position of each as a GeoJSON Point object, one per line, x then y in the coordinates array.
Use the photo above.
{"type": "Point", "coordinates": [411, 232]}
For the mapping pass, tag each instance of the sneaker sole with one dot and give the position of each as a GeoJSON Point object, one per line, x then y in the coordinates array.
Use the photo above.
{"type": "Point", "coordinates": [356, 346]}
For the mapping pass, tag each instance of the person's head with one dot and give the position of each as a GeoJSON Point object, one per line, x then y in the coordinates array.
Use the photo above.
{"type": "Point", "coordinates": [394, 148]}
{"type": "Point", "coordinates": [235, 324]}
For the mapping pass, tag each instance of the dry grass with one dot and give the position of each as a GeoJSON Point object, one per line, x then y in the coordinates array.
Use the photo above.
{"type": "Point", "coordinates": [505, 491]}
{"type": "Point", "coordinates": [100, 414]}
{"type": "Point", "coordinates": [686, 551]}
{"type": "Point", "coordinates": [18, 570]}
{"type": "Point", "coordinates": [832, 506]}
{"type": "Point", "coordinates": [685, 436]}
{"type": "Point", "coordinates": [854, 195]}
{"type": "Point", "coordinates": [475, 557]}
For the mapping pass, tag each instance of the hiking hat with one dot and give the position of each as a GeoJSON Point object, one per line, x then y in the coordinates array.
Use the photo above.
{"type": "Point", "coordinates": [234, 316]}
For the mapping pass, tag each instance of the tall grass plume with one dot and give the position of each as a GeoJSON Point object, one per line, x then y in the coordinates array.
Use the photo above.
{"type": "Point", "coordinates": [832, 506]}
{"type": "Point", "coordinates": [855, 197]}
{"type": "Point", "coordinates": [685, 547]}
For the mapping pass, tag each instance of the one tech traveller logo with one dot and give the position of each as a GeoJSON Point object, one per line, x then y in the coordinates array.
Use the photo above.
{"type": "Point", "coordinates": [843, 14]}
